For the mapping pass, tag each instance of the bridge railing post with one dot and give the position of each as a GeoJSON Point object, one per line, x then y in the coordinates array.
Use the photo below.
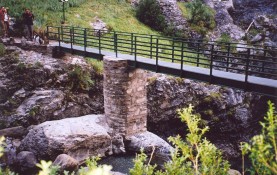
{"type": "Point", "coordinates": [182, 58]}
{"type": "Point", "coordinates": [71, 40]}
{"type": "Point", "coordinates": [247, 67]}
{"type": "Point", "coordinates": [157, 53]}
{"type": "Point", "coordinates": [151, 46]}
{"type": "Point", "coordinates": [115, 43]}
{"type": "Point", "coordinates": [132, 43]}
{"type": "Point", "coordinates": [198, 54]}
{"type": "Point", "coordinates": [265, 49]}
{"type": "Point", "coordinates": [85, 42]}
{"type": "Point", "coordinates": [135, 53]}
{"type": "Point", "coordinates": [211, 63]}
{"type": "Point", "coordinates": [173, 49]}
{"type": "Point", "coordinates": [99, 41]}
{"type": "Point", "coordinates": [62, 32]}
{"type": "Point", "coordinates": [73, 35]}
{"type": "Point", "coordinates": [228, 57]}
{"type": "Point", "coordinates": [47, 32]}
{"type": "Point", "coordinates": [59, 36]}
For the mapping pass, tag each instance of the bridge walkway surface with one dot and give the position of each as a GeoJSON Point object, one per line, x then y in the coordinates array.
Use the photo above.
{"type": "Point", "coordinates": [255, 84]}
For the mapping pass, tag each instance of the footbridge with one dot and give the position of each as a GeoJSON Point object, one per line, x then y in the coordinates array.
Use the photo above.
{"type": "Point", "coordinates": [236, 65]}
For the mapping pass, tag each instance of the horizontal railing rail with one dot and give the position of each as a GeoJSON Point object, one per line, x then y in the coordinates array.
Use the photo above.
{"type": "Point", "coordinates": [229, 57]}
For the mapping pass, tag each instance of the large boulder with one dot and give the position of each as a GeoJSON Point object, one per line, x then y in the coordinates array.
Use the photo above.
{"type": "Point", "coordinates": [150, 142]}
{"type": "Point", "coordinates": [80, 138]}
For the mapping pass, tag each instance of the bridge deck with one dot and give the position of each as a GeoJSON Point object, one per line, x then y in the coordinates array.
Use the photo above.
{"type": "Point", "coordinates": [235, 80]}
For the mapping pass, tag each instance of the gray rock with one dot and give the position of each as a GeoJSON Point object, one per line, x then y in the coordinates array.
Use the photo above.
{"type": "Point", "coordinates": [80, 138]}
{"type": "Point", "coordinates": [118, 145]}
{"type": "Point", "coordinates": [14, 132]}
{"type": "Point", "coordinates": [26, 161]}
{"type": "Point", "coordinates": [117, 173]}
{"type": "Point", "coordinates": [259, 37]}
{"type": "Point", "coordinates": [66, 163]}
{"type": "Point", "coordinates": [149, 142]}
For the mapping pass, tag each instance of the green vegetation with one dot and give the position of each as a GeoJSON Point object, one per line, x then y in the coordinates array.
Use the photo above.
{"type": "Point", "coordinates": [119, 15]}
{"type": "Point", "coordinates": [200, 16]}
{"type": "Point", "coordinates": [96, 65]}
{"type": "Point", "coordinates": [2, 49]}
{"type": "Point", "coordinates": [79, 78]}
{"type": "Point", "coordinates": [262, 149]}
{"type": "Point", "coordinates": [149, 12]}
{"type": "Point", "coordinates": [195, 156]}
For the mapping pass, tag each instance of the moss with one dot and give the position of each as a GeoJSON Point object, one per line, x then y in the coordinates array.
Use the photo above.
{"type": "Point", "coordinates": [34, 111]}
{"type": "Point", "coordinates": [21, 67]}
{"type": "Point", "coordinates": [179, 80]}
{"type": "Point", "coordinates": [208, 113]}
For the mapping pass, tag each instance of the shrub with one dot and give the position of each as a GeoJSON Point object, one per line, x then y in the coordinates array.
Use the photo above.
{"type": "Point", "coordinates": [149, 12]}
{"type": "Point", "coordinates": [262, 148]}
{"type": "Point", "coordinates": [79, 79]}
{"type": "Point", "coordinates": [195, 156]}
{"type": "Point", "coordinates": [200, 16]}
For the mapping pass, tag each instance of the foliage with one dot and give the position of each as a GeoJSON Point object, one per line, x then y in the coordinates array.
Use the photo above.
{"type": "Point", "coordinates": [195, 156]}
{"type": "Point", "coordinates": [149, 12]}
{"type": "Point", "coordinates": [200, 16]}
{"type": "Point", "coordinates": [225, 41]}
{"type": "Point", "coordinates": [96, 65]}
{"type": "Point", "coordinates": [263, 148]}
{"type": "Point", "coordinates": [79, 78]}
{"type": "Point", "coordinates": [2, 49]}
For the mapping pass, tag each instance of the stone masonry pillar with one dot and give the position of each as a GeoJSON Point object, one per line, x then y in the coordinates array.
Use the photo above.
{"type": "Point", "coordinates": [125, 99]}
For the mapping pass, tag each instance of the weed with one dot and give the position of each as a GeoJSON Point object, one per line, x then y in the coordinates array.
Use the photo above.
{"type": "Point", "coordinates": [96, 65]}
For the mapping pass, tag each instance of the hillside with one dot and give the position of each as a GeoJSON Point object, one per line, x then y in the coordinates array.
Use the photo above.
{"type": "Point", "coordinates": [118, 15]}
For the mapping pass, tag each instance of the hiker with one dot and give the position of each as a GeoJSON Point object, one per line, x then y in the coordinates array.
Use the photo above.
{"type": "Point", "coordinates": [2, 20]}
{"type": "Point", "coordinates": [6, 22]}
{"type": "Point", "coordinates": [28, 19]}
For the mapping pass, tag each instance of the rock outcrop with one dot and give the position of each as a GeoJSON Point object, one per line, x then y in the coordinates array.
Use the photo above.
{"type": "Point", "coordinates": [232, 115]}
{"type": "Point", "coordinates": [224, 21]}
{"type": "Point", "coordinates": [34, 87]}
{"type": "Point", "coordinates": [80, 138]}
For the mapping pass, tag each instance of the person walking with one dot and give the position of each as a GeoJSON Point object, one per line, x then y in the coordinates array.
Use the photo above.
{"type": "Point", "coordinates": [2, 20]}
{"type": "Point", "coordinates": [28, 19]}
{"type": "Point", "coordinates": [6, 22]}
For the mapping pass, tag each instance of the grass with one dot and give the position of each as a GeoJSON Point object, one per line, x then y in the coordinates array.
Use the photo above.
{"type": "Point", "coordinates": [119, 15]}
{"type": "Point", "coordinates": [96, 65]}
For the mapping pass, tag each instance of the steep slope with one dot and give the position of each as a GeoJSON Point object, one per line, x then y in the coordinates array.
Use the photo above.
{"type": "Point", "coordinates": [118, 15]}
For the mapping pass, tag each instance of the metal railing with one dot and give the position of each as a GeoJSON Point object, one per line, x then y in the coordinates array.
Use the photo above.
{"type": "Point", "coordinates": [229, 57]}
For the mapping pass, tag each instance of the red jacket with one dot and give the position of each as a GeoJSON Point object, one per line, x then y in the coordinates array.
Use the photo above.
{"type": "Point", "coordinates": [1, 15]}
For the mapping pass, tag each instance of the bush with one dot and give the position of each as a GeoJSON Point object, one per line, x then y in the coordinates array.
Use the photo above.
{"type": "Point", "coordinates": [79, 79]}
{"type": "Point", "coordinates": [200, 16]}
{"type": "Point", "coordinates": [149, 12]}
{"type": "Point", "coordinates": [195, 156]}
{"type": "Point", "coordinates": [263, 148]}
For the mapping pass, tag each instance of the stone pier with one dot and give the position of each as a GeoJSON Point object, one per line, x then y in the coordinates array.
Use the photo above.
{"type": "Point", "coordinates": [125, 99]}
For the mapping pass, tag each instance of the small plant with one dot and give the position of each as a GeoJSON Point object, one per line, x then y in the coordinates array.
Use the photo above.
{"type": "Point", "coordinates": [79, 79]}
{"type": "Point", "coordinates": [2, 49]}
{"type": "Point", "coordinates": [149, 12]}
{"type": "Point", "coordinates": [34, 111]}
{"type": "Point", "coordinates": [200, 16]}
{"type": "Point", "coordinates": [262, 149]}
{"type": "Point", "coordinates": [21, 67]}
{"type": "Point", "coordinates": [195, 156]}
